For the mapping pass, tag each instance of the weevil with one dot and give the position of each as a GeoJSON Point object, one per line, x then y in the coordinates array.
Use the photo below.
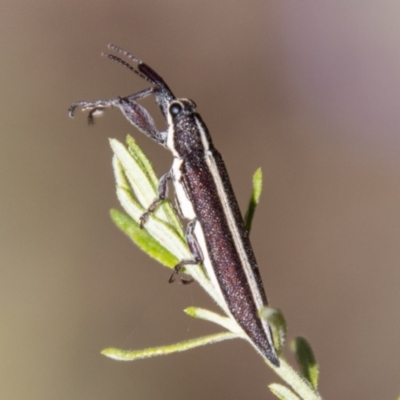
{"type": "Point", "coordinates": [215, 233]}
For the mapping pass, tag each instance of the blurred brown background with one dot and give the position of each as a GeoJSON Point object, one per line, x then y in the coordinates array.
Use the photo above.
{"type": "Point", "coordinates": [309, 91]}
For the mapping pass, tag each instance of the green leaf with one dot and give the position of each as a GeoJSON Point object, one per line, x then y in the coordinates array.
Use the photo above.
{"type": "Point", "coordinates": [282, 392]}
{"type": "Point", "coordinates": [254, 200]}
{"type": "Point", "coordinates": [126, 355]}
{"type": "Point", "coordinates": [227, 323]}
{"type": "Point", "coordinates": [143, 239]}
{"type": "Point", "coordinates": [306, 360]}
{"type": "Point", "coordinates": [142, 160]}
{"type": "Point", "coordinates": [277, 321]}
{"type": "Point", "coordinates": [163, 232]}
{"type": "Point", "coordinates": [134, 173]}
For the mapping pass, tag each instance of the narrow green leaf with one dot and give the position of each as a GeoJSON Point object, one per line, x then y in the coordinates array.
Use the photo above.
{"type": "Point", "coordinates": [306, 360]}
{"type": "Point", "coordinates": [277, 321]}
{"type": "Point", "coordinates": [142, 239]}
{"type": "Point", "coordinates": [144, 162]}
{"type": "Point", "coordinates": [134, 172]}
{"type": "Point", "coordinates": [126, 355]}
{"type": "Point", "coordinates": [136, 178]}
{"type": "Point", "coordinates": [282, 392]}
{"type": "Point", "coordinates": [254, 199]}
{"type": "Point", "coordinates": [227, 323]}
{"type": "Point", "coordinates": [161, 231]}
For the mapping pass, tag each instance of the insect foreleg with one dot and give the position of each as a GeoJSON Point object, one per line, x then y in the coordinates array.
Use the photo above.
{"type": "Point", "coordinates": [133, 111]}
{"type": "Point", "coordinates": [140, 118]}
{"type": "Point", "coordinates": [92, 106]}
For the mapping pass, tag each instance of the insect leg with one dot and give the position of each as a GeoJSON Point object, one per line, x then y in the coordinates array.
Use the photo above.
{"type": "Point", "coordinates": [133, 112]}
{"type": "Point", "coordinates": [162, 194]}
{"type": "Point", "coordinates": [140, 118]}
{"type": "Point", "coordinates": [194, 248]}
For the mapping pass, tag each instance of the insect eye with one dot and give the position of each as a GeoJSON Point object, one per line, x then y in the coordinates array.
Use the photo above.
{"type": "Point", "coordinates": [175, 109]}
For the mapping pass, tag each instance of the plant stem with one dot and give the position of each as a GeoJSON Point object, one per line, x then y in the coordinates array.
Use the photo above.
{"type": "Point", "coordinates": [298, 384]}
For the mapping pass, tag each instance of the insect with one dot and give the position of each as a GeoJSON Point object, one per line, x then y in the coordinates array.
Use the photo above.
{"type": "Point", "coordinates": [215, 232]}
